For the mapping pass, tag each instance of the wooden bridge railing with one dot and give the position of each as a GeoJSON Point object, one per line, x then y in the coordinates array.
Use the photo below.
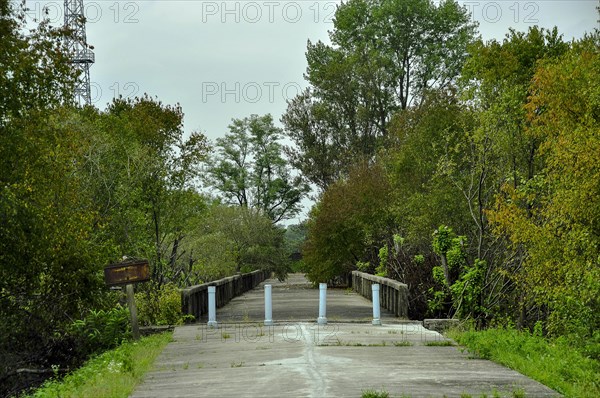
{"type": "Point", "coordinates": [194, 299]}
{"type": "Point", "coordinates": [393, 294]}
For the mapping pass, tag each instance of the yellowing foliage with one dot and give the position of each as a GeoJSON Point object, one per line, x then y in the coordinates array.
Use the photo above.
{"type": "Point", "coordinates": [556, 215]}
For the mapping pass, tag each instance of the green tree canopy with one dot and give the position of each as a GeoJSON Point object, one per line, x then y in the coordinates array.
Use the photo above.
{"type": "Point", "coordinates": [384, 56]}
{"type": "Point", "coordinates": [555, 215]}
{"type": "Point", "coordinates": [347, 224]}
{"type": "Point", "coordinates": [249, 169]}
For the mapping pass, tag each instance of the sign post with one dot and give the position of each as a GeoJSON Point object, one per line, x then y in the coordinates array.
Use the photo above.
{"type": "Point", "coordinates": [133, 311]}
{"type": "Point", "coordinates": [127, 273]}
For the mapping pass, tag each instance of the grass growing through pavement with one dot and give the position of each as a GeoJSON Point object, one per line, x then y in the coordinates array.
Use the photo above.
{"type": "Point", "coordinates": [557, 364]}
{"type": "Point", "coordinates": [112, 374]}
{"type": "Point", "coordinates": [439, 343]}
{"type": "Point", "coordinates": [375, 394]}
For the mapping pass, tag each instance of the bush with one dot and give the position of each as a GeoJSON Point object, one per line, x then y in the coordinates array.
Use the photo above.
{"type": "Point", "coordinates": [101, 330]}
{"type": "Point", "coordinates": [159, 306]}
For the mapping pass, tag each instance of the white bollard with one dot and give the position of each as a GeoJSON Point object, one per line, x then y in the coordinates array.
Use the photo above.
{"type": "Point", "coordinates": [268, 306]}
{"type": "Point", "coordinates": [322, 304]}
{"type": "Point", "coordinates": [212, 307]}
{"type": "Point", "coordinates": [376, 309]}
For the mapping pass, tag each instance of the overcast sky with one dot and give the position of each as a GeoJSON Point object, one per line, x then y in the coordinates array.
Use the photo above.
{"type": "Point", "coordinates": [229, 59]}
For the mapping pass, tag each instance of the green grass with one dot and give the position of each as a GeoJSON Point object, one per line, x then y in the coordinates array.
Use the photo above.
{"type": "Point", "coordinates": [439, 343]}
{"type": "Point", "coordinates": [374, 394]}
{"type": "Point", "coordinates": [557, 364]}
{"type": "Point", "coordinates": [113, 374]}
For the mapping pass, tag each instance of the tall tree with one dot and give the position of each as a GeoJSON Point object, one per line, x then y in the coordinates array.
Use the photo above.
{"type": "Point", "coordinates": [45, 218]}
{"type": "Point", "coordinates": [249, 169]}
{"type": "Point", "coordinates": [146, 174]}
{"type": "Point", "coordinates": [35, 71]}
{"type": "Point", "coordinates": [348, 223]}
{"type": "Point", "coordinates": [384, 56]}
{"type": "Point", "coordinates": [496, 81]}
{"type": "Point", "coordinates": [555, 216]}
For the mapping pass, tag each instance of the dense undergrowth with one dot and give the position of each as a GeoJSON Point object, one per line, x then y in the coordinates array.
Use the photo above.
{"type": "Point", "coordinates": [113, 374]}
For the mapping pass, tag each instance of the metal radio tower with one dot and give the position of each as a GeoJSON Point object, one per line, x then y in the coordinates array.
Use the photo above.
{"type": "Point", "coordinates": [82, 56]}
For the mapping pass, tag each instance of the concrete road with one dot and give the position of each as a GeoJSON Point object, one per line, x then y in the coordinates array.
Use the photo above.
{"type": "Point", "coordinates": [298, 358]}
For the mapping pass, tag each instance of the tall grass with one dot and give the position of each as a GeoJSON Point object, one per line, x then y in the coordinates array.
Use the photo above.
{"type": "Point", "coordinates": [558, 364]}
{"type": "Point", "coordinates": [113, 374]}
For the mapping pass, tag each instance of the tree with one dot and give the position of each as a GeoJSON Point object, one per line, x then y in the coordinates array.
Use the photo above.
{"type": "Point", "coordinates": [35, 72]}
{"type": "Point", "coordinates": [385, 56]}
{"type": "Point", "coordinates": [232, 239]}
{"type": "Point", "coordinates": [423, 139]}
{"type": "Point", "coordinates": [78, 190]}
{"type": "Point", "coordinates": [46, 255]}
{"type": "Point", "coordinates": [144, 176]}
{"type": "Point", "coordinates": [555, 215]}
{"type": "Point", "coordinates": [496, 81]}
{"type": "Point", "coordinates": [250, 171]}
{"type": "Point", "coordinates": [347, 225]}
{"type": "Point", "coordinates": [496, 78]}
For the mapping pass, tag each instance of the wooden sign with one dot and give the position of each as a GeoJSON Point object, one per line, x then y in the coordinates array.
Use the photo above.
{"type": "Point", "coordinates": [132, 271]}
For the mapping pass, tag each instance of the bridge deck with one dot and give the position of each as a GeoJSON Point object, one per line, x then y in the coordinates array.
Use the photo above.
{"type": "Point", "coordinates": [296, 300]}
{"type": "Point", "coordinates": [297, 358]}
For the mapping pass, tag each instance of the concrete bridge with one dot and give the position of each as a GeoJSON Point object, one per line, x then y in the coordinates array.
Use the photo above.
{"type": "Point", "coordinates": [296, 357]}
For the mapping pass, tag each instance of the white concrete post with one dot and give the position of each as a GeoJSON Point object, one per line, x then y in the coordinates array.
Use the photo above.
{"type": "Point", "coordinates": [212, 306]}
{"type": "Point", "coordinates": [268, 306]}
{"type": "Point", "coordinates": [376, 309]}
{"type": "Point", "coordinates": [322, 304]}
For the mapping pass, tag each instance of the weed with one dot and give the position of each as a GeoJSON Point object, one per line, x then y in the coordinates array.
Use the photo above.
{"type": "Point", "coordinates": [375, 394]}
{"type": "Point", "coordinates": [439, 343]}
{"type": "Point", "coordinates": [225, 336]}
{"type": "Point", "coordinates": [237, 364]}
{"type": "Point", "coordinates": [518, 393]}
{"type": "Point", "coordinates": [403, 343]}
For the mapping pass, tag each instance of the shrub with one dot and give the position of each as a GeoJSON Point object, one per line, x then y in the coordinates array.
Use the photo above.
{"type": "Point", "coordinates": [101, 330]}
{"type": "Point", "coordinates": [159, 306]}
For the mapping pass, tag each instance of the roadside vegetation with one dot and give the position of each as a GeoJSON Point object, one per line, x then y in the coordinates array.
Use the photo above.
{"type": "Point", "coordinates": [112, 374]}
{"type": "Point", "coordinates": [557, 363]}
